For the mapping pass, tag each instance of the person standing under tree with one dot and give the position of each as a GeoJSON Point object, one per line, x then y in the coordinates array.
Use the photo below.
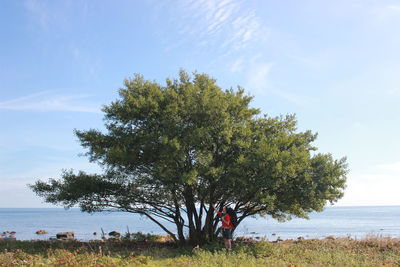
{"type": "Point", "coordinates": [226, 215]}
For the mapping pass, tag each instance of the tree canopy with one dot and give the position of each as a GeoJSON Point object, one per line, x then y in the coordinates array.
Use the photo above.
{"type": "Point", "coordinates": [172, 151]}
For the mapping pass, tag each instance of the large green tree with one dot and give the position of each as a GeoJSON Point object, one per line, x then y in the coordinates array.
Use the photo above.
{"type": "Point", "coordinates": [172, 151]}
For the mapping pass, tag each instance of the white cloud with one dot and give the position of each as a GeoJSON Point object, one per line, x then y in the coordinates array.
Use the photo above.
{"type": "Point", "coordinates": [391, 167]}
{"type": "Point", "coordinates": [371, 190]}
{"type": "Point", "coordinates": [48, 101]}
{"type": "Point", "coordinates": [377, 188]}
{"type": "Point", "coordinates": [381, 177]}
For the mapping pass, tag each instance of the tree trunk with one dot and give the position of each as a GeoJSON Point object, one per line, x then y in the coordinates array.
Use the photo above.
{"type": "Point", "coordinates": [181, 236]}
{"type": "Point", "coordinates": [208, 225]}
{"type": "Point", "coordinates": [194, 226]}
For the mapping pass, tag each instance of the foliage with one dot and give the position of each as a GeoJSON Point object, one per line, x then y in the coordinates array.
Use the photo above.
{"type": "Point", "coordinates": [170, 152]}
{"type": "Point", "coordinates": [139, 236]}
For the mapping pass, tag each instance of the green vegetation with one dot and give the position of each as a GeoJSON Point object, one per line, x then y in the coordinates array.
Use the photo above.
{"type": "Point", "coordinates": [172, 151]}
{"type": "Point", "coordinates": [339, 252]}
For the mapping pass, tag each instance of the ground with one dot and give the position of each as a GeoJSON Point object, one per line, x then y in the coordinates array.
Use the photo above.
{"type": "Point", "coordinates": [372, 251]}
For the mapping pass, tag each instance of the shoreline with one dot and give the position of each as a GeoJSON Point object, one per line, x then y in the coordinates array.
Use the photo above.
{"type": "Point", "coordinates": [334, 221]}
{"type": "Point", "coordinates": [153, 237]}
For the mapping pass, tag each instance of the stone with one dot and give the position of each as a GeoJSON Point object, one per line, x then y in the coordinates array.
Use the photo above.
{"type": "Point", "coordinates": [244, 239]}
{"type": "Point", "coordinates": [196, 248]}
{"type": "Point", "coordinates": [331, 237]}
{"type": "Point", "coordinates": [41, 232]}
{"type": "Point", "coordinates": [65, 235]}
{"type": "Point", "coordinates": [114, 233]}
{"type": "Point", "coordinates": [94, 233]}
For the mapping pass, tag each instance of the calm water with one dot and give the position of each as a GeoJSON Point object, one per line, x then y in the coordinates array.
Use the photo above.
{"type": "Point", "coordinates": [357, 222]}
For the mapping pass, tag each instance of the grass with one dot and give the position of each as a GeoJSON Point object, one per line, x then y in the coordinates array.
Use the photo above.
{"type": "Point", "coordinates": [372, 251]}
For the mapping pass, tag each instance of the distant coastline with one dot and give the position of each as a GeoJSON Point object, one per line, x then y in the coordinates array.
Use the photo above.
{"type": "Point", "coordinates": [343, 221]}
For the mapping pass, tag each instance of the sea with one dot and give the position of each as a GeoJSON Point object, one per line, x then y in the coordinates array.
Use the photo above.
{"type": "Point", "coordinates": [353, 222]}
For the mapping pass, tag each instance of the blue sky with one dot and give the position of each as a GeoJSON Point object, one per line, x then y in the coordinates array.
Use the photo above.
{"type": "Point", "coordinates": [334, 63]}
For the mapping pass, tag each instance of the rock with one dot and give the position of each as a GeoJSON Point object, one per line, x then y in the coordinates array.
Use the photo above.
{"type": "Point", "coordinates": [114, 233]}
{"type": "Point", "coordinates": [331, 237]}
{"type": "Point", "coordinates": [94, 233]}
{"type": "Point", "coordinates": [166, 238]}
{"type": "Point", "coordinates": [5, 233]}
{"type": "Point", "coordinates": [41, 232]}
{"type": "Point", "coordinates": [258, 237]}
{"type": "Point", "coordinates": [13, 233]}
{"type": "Point", "coordinates": [196, 248]}
{"type": "Point", "coordinates": [273, 234]}
{"type": "Point", "coordinates": [300, 238]}
{"type": "Point", "coordinates": [244, 239]}
{"type": "Point", "coordinates": [65, 235]}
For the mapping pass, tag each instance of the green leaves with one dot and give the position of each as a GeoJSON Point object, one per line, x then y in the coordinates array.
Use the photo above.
{"type": "Point", "coordinates": [175, 147]}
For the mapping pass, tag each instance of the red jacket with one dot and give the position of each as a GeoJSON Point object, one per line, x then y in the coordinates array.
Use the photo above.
{"type": "Point", "coordinates": [226, 221]}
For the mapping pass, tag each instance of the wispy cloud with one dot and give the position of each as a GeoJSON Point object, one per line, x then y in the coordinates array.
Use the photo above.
{"type": "Point", "coordinates": [237, 65]}
{"type": "Point", "coordinates": [257, 74]}
{"type": "Point", "coordinates": [40, 11]}
{"type": "Point", "coordinates": [394, 7]}
{"type": "Point", "coordinates": [383, 15]}
{"type": "Point", "coordinates": [49, 101]}
{"type": "Point", "coordinates": [393, 92]}
{"type": "Point", "coordinates": [227, 24]}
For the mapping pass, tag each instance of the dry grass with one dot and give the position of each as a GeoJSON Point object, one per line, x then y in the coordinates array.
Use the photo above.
{"type": "Point", "coordinates": [371, 251]}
